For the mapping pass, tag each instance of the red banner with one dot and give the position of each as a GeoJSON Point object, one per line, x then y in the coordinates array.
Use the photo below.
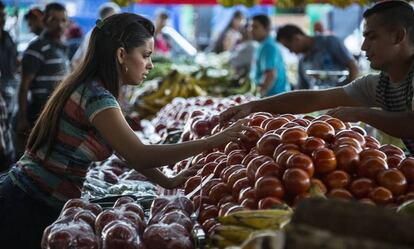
{"type": "Point", "coordinates": [194, 2]}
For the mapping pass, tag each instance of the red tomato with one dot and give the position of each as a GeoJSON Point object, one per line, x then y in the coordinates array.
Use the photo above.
{"type": "Point", "coordinates": [234, 209]}
{"type": "Point", "coordinates": [80, 203]}
{"type": "Point", "coordinates": [201, 127]}
{"type": "Point", "coordinates": [347, 159]}
{"type": "Point", "coordinates": [268, 168]}
{"type": "Point", "coordinates": [235, 176]}
{"type": "Point", "coordinates": [302, 122]}
{"type": "Point", "coordinates": [212, 156]}
{"type": "Point", "coordinates": [208, 224]}
{"type": "Point", "coordinates": [248, 158]}
{"type": "Point", "coordinates": [225, 207]}
{"type": "Point", "coordinates": [284, 156]}
{"type": "Point", "coordinates": [374, 143]}
{"type": "Point", "coordinates": [264, 123]}
{"type": "Point", "coordinates": [225, 199]}
{"type": "Point", "coordinates": [219, 168]}
{"type": "Point", "coordinates": [245, 193]}
{"type": "Point", "coordinates": [288, 116]}
{"type": "Point", "coordinates": [358, 129]}
{"type": "Point", "coordinates": [103, 219]}
{"type": "Point", "coordinates": [336, 124]}
{"type": "Point", "coordinates": [371, 167]}
{"type": "Point", "coordinates": [229, 170]}
{"type": "Point", "coordinates": [208, 185]}
{"type": "Point", "coordinates": [123, 200]}
{"type": "Point", "coordinates": [275, 123]}
{"type": "Point", "coordinates": [217, 192]}
{"type": "Point", "coordinates": [267, 144]}
{"type": "Point", "coordinates": [311, 144]}
{"type": "Point", "coordinates": [351, 134]}
{"type": "Point", "coordinates": [294, 135]}
{"type": "Point", "coordinates": [231, 146]}
{"type": "Point", "coordinates": [252, 137]}
{"type": "Point", "coordinates": [268, 186]}
{"type": "Point", "coordinates": [337, 179]}
{"type": "Point", "coordinates": [282, 147]}
{"type": "Point", "coordinates": [208, 169]}
{"type": "Point", "coordinates": [322, 117]}
{"type": "Point", "coordinates": [381, 195]}
{"type": "Point", "coordinates": [366, 153]}
{"type": "Point", "coordinates": [257, 120]}
{"type": "Point", "coordinates": [322, 130]}
{"type": "Point", "coordinates": [269, 203]}
{"type": "Point", "coordinates": [324, 160]}
{"type": "Point", "coordinates": [279, 131]}
{"type": "Point", "coordinates": [249, 203]}
{"type": "Point", "coordinates": [347, 141]}
{"type": "Point", "coordinates": [208, 212]}
{"type": "Point", "coordinates": [134, 207]}
{"type": "Point", "coordinates": [94, 207]}
{"type": "Point", "coordinates": [393, 161]}
{"type": "Point", "coordinates": [308, 117]}
{"type": "Point", "coordinates": [407, 168]}
{"type": "Point", "coordinates": [340, 193]}
{"type": "Point", "coordinates": [301, 161]}
{"type": "Point", "coordinates": [253, 165]}
{"type": "Point", "coordinates": [238, 186]}
{"type": "Point", "coordinates": [234, 158]}
{"type": "Point", "coordinates": [393, 180]}
{"type": "Point", "coordinates": [390, 149]}
{"type": "Point", "coordinates": [362, 187]}
{"type": "Point", "coordinates": [296, 181]}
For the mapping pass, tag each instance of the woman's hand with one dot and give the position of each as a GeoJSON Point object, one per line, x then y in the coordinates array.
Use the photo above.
{"type": "Point", "coordinates": [232, 133]}
{"type": "Point", "coordinates": [182, 177]}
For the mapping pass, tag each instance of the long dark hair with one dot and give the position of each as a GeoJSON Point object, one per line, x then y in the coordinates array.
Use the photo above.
{"type": "Point", "coordinates": [218, 47]}
{"type": "Point", "coordinates": [125, 30]}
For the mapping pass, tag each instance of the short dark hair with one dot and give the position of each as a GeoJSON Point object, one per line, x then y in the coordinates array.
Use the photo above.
{"type": "Point", "coordinates": [2, 6]}
{"type": "Point", "coordinates": [51, 7]}
{"type": "Point", "coordinates": [163, 15]}
{"type": "Point", "coordinates": [264, 20]}
{"type": "Point", "coordinates": [288, 31]}
{"type": "Point", "coordinates": [394, 13]}
{"type": "Point", "coordinates": [33, 13]}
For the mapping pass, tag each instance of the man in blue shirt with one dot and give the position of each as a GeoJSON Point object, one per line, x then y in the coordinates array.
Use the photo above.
{"type": "Point", "coordinates": [268, 70]}
{"type": "Point", "coordinates": [322, 53]}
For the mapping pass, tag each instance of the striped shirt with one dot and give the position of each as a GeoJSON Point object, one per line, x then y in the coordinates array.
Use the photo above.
{"type": "Point", "coordinates": [377, 91]}
{"type": "Point", "coordinates": [77, 145]}
{"type": "Point", "coordinates": [49, 62]}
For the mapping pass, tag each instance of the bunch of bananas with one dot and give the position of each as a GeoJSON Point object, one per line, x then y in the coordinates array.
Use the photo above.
{"type": "Point", "coordinates": [239, 226]}
{"type": "Point", "coordinates": [124, 3]}
{"type": "Point", "coordinates": [172, 86]}
{"type": "Point", "coordinates": [247, 3]}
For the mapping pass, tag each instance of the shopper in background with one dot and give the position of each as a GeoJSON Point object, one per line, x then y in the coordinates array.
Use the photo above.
{"type": "Point", "coordinates": [161, 44]}
{"type": "Point", "coordinates": [73, 38]}
{"type": "Point", "coordinates": [268, 69]}
{"type": "Point", "coordinates": [242, 56]}
{"type": "Point", "coordinates": [385, 100]}
{"type": "Point", "coordinates": [231, 35]}
{"type": "Point", "coordinates": [320, 52]}
{"type": "Point", "coordinates": [44, 64]}
{"type": "Point", "coordinates": [82, 123]}
{"type": "Point", "coordinates": [105, 10]}
{"type": "Point", "coordinates": [34, 19]}
{"type": "Point", "coordinates": [8, 85]}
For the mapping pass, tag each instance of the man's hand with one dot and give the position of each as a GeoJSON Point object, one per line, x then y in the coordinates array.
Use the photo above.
{"type": "Point", "coordinates": [236, 112]}
{"type": "Point", "coordinates": [348, 114]}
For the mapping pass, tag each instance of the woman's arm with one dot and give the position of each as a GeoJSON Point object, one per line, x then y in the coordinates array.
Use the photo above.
{"type": "Point", "coordinates": [113, 127]}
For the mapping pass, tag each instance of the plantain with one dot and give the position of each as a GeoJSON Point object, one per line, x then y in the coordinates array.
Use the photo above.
{"type": "Point", "coordinates": [233, 233]}
{"type": "Point", "coordinates": [258, 219]}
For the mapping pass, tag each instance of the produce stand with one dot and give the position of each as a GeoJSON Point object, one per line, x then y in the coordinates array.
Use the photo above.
{"type": "Point", "coordinates": [297, 181]}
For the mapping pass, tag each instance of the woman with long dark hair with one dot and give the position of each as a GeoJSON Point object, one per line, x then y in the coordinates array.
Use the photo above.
{"type": "Point", "coordinates": [231, 34]}
{"type": "Point", "coordinates": [82, 123]}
